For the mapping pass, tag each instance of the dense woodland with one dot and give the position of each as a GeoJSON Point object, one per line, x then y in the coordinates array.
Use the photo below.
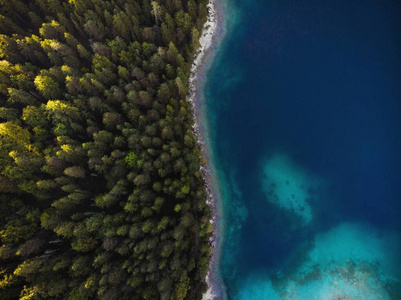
{"type": "Point", "coordinates": [101, 196]}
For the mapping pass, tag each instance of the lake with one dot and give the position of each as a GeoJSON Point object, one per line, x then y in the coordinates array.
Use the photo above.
{"type": "Point", "coordinates": [304, 110]}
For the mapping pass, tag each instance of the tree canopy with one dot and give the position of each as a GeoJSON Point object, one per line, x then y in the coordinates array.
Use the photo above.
{"type": "Point", "coordinates": [101, 196]}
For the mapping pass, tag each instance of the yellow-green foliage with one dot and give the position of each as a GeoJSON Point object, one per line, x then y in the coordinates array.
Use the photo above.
{"type": "Point", "coordinates": [100, 191]}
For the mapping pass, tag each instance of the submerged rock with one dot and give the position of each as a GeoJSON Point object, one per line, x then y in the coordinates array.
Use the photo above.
{"type": "Point", "coordinates": [289, 186]}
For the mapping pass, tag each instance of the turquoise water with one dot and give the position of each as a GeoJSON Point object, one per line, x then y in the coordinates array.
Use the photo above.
{"type": "Point", "coordinates": [304, 103]}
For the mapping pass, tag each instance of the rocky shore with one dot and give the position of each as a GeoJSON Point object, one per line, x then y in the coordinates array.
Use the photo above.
{"type": "Point", "coordinates": [212, 34]}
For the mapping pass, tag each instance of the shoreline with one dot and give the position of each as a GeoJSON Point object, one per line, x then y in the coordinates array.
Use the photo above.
{"type": "Point", "coordinates": [212, 35]}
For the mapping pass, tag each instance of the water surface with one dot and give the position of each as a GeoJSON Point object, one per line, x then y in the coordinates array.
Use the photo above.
{"type": "Point", "coordinates": [304, 104]}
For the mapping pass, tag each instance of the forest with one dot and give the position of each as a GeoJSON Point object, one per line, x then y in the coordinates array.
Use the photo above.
{"type": "Point", "coordinates": [101, 194]}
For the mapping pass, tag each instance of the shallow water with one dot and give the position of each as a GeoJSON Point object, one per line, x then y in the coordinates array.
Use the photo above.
{"type": "Point", "coordinates": [304, 103]}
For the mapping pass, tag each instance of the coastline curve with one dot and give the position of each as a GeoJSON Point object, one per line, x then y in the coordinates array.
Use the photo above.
{"type": "Point", "coordinates": [213, 34]}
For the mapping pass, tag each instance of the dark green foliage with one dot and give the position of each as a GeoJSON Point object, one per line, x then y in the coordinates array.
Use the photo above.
{"type": "Point", "coordinates": [100, 191]}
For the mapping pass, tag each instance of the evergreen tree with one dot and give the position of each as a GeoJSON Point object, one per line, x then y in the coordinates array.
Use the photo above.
{"type": "Point", "coordinates": [100, 191]}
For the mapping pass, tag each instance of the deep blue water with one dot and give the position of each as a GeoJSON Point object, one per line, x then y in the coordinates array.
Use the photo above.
{"type": "Point", "coordinates": [312, 88]}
